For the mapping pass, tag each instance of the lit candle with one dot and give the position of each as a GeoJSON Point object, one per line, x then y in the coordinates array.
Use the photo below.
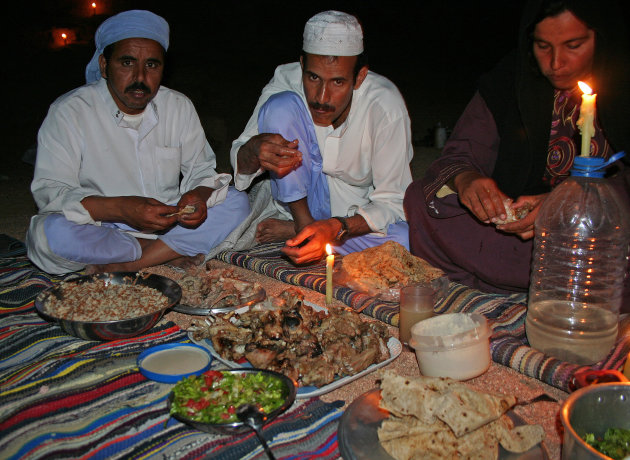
{"type": "Point", "coordinates": [586, 122]}
{"type": "Point", "coordinates": [330, 262]}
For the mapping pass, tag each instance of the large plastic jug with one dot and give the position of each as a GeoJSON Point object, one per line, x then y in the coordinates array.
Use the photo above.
{"type": "Point", "coordinates": [578, 266]}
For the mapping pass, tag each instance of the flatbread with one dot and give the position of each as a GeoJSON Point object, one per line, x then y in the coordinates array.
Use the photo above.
{"type": "Point", "coordinates": [433, 418]}
{"type": "Point", "coordinates": [465, 410]}
{"type": "Point", "coordinates": [400, 427]}
{"type": "Point", "coordinates": [412, 396]}
{"type": "Point", "coordinates": [521, 438]}
{"type": "Point", "coordinates": [480, 444]}
{"type": "Point", "coordinates": [388, 266]}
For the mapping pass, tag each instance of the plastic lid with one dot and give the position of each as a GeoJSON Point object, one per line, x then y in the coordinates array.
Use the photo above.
{"type": "Point", "coordinates": [593, 166]}
{"type": "Point", "coordinates": [172, 362]}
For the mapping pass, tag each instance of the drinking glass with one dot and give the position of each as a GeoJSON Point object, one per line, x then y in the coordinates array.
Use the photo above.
{"type": "Point", "coordinates": [416, 304]}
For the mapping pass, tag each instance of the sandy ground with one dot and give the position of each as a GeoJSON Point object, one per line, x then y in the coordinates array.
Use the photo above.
{"type": "Point", "coordinates": [16, 201]}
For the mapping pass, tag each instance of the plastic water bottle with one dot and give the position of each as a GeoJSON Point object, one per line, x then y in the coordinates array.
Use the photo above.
{"type": "Point", "coordinates": [440, 136]}
{"type": "Point", "coordinates": [578, 266]}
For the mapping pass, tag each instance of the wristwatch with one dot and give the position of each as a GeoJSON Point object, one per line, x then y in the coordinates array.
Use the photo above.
{"type": "Point", "coordinates": [344, 232]}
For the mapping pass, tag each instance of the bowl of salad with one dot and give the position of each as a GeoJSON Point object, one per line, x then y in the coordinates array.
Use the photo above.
{"type": "Point", "coordinates": [208, 402]}
{"type": "Point", "coordinates": [596, 422]}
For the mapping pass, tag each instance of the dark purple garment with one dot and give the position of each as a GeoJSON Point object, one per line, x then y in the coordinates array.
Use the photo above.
{"type": "Point", "coordinates": [448, 236]}
{"type": "Point", "coordinates": [468, 251]}
{"type": "Point", "coordinates": [445, 233]}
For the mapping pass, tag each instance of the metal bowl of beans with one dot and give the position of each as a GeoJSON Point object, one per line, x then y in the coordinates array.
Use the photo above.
{"type": "Point", "coordinates": [108, 306]}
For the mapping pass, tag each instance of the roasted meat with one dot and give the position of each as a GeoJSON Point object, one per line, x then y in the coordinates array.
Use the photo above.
{"type": "Point", "coordinates": [286, 335]}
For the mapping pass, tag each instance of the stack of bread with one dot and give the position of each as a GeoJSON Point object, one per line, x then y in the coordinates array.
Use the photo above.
{"type": "Point", "coordinates": [433, 418]}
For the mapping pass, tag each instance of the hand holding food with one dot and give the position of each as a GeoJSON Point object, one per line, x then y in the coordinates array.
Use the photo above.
{"type": "Point", "coordinates": [480, 194]}
{"type": "Point", "coordinates": [188, 209]}
{"type": "Point", "coordinates": [512, 214]}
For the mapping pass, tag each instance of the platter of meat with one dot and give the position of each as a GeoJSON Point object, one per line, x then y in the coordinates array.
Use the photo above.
{"type": "Point", "coordinates": [212, 291]}
{"type": "Point", "coordinates": [320, 349]}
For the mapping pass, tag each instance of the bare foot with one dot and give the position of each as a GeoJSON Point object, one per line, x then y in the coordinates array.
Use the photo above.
{"type": "Point", "coordinates": [187, 262]}
{"type": "Point", "coordinates": [93, 269]}
{"type": "Point", "coordinates": [271, 230]}
{"type": "Point", "coordinates": [155, 253]}
{"type": "Point", "coordinates": [184, 262]}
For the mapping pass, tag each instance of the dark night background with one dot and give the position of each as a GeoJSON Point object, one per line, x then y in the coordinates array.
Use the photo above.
{"type": "Point", "coordinates": [222, 54]}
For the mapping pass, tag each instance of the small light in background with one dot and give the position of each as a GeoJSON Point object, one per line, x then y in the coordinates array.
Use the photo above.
{"type": "Point", "coordinates": [65, 38]}
{"type": "Point", "coordinates": [94, 8]}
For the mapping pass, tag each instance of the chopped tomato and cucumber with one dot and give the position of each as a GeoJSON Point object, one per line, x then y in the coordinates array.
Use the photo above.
{"type": "Point", "coordinates": [214, 396]}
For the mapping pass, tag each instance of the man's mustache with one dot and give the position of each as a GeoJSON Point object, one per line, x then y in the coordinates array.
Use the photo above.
{"type": "Point", "coordinates": [318, 106]}
{"type": "Point", "coordinates": [138, 86]}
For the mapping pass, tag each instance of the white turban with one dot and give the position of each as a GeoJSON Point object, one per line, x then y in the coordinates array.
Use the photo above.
{"type": "Point", "coordinates": [333, 33]}
{"type": "Point", "coordinates": [128, 24]}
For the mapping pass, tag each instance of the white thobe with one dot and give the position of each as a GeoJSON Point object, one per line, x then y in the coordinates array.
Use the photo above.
{"type": "Point", "coordinates": [85, 148]}
{"type": "Point", "coordinates": [366, 159]}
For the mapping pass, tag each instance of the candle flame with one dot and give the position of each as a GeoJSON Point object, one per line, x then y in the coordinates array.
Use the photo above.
{"type": "Point", "coordinates": [63, 36]}
{"type": "Point", "coordinates": [328, 249]}
{"type": "Point", "coordinates": [585, 88]}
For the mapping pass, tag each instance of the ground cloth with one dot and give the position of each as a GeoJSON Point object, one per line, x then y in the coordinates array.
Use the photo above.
{"type": "Point", "coordinates": [506, 313]}
{"type": "Point", "coordinates": [63, 397]}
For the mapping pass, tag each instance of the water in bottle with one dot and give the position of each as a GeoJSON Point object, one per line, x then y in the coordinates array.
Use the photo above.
{"type": "Point", "coordinates": [578, 266]}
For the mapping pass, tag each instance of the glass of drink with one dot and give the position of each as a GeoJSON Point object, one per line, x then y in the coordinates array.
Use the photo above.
{"type": "Point", "coordinates": [416, 304]}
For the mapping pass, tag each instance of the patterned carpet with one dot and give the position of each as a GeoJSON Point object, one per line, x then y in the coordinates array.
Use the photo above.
{"type": "Point", "coordinates": [506, 314]}
{"type": "Point", "coordinates": [63, 397]}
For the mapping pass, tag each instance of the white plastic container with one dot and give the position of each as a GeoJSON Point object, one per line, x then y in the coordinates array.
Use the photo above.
{"type": "Point", "coordinates": [455, 345]}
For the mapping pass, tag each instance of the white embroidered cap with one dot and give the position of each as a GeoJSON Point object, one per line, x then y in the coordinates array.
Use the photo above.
{"type": "Point", "coordinates": [333, 33]}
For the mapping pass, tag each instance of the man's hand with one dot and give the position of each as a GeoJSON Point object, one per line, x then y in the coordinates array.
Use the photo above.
{"type": "Point", "coordinates": [197, 198]}
{"type": "Point", "coordinates": [271, 152]}
{"type": "Point", "coordinates": [481, 195]}
{"type": "Point", "coordinates": [524, 228]}
{"type": "Point", "coordinates": [309, 245]}
{"type": "Point", "coordinates": [144, 214]}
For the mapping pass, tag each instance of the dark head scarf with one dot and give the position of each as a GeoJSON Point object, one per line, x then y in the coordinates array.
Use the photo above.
{"type": "Point", "coordinates": [521, 98]}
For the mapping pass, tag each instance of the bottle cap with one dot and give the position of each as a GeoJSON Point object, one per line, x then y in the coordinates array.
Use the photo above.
{"type": "Point", "coordinates": [593, 166]}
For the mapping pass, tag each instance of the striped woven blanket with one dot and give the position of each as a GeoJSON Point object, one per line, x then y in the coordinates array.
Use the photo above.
{"type": "Point", "coordinates": [63, 397]}
{"type": "Point", "coordinates": [506, 314]}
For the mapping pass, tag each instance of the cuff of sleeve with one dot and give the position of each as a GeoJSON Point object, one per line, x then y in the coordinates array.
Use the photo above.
{"type": "Point", "coordinates": [439, 183]}
{"type": "Point", "coordinates": [220, 184]}
{"type": "Point", "coordinates": [75, 212]}
{"type": "Point", "coordinates": [374, 226]}
{"type": "Point", "coordinates": [243, 181]}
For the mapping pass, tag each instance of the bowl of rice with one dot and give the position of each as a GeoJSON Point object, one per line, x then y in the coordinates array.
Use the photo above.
{"type": "Point", "coordinates": [108, 306]}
